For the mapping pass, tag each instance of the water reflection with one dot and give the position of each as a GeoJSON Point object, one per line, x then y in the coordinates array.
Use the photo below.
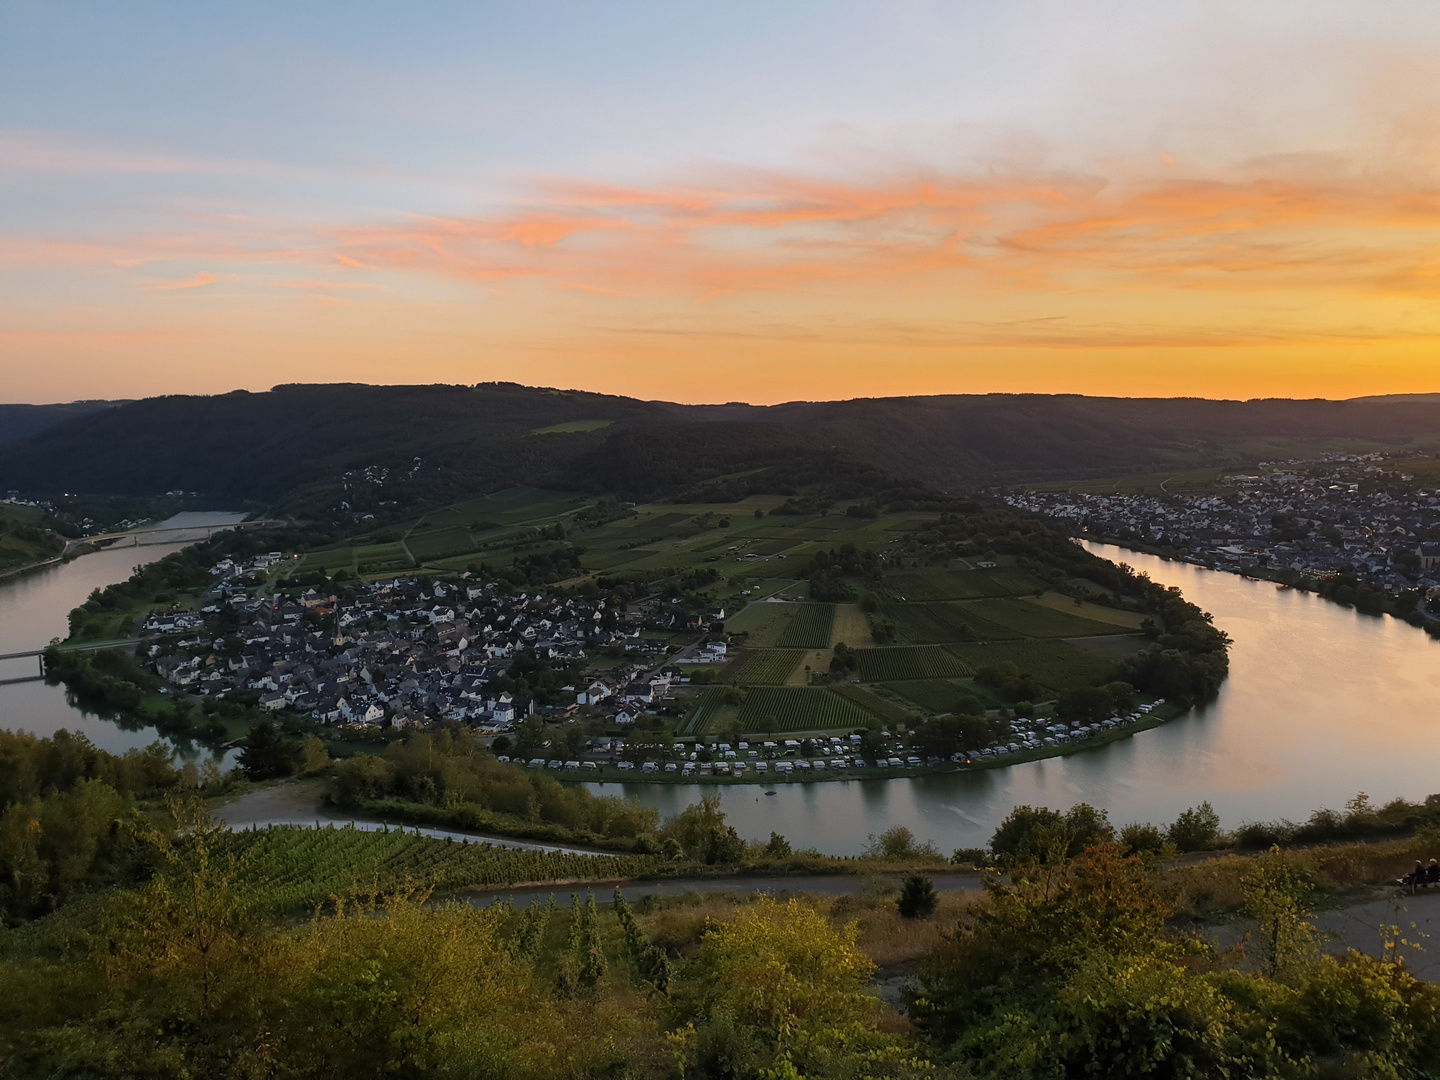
{"type": "Point", "coordinates": [35, 608]}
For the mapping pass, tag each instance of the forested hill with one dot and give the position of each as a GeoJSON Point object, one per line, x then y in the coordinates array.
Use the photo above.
{"type": "Point", "coordinates": [21, 422]}
{"type": "Point", "coordinates": [449, 440]}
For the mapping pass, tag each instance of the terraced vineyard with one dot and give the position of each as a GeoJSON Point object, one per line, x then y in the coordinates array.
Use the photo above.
{"type": "Point", "coordinates": [809, 627]}
{"type": "Point", "coordinates": [764, 667]}
{"type": "Point", "coordinates": [919, 662]}
{"type": "Point", "coordinates": [778, 710]}
{"type": "Point", "coordinates": [295, 868]}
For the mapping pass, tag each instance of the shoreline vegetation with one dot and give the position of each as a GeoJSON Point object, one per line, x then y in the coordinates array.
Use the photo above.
{"type": "Point", "coordinates": [125, 911]}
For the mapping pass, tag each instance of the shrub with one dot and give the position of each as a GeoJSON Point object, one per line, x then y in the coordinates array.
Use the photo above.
{"type": "Point", "coordinates": [1196, 829]}
{"type": "Point", "coordinates": [918, 899]}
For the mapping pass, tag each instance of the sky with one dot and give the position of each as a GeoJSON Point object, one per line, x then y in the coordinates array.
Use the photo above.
{"type": "Point", "coordinates": [739, 201]}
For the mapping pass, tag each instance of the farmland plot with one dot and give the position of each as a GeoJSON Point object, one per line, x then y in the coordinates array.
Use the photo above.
{"type": "Point", "coordinates": [778, 710]}
{"type": "Point", "coordinates": [809, 627]}
{"type": "Point", "coordinates": [767, 667]}
{"type": "Point", "coordinates": [892, 664]}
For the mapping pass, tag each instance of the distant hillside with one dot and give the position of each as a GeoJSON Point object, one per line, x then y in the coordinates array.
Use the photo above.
{"type": "Point", "coordinates": [441, 442]}
{"type": "Point", "coordinates": [20, 422]}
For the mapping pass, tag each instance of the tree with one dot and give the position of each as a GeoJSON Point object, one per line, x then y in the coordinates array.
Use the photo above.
{"type": "Point", "coordinates": [1037, 833]}
{"type": "Point", "coordinates": [1196, 829]}
{"type": "Point", "coordinates": [265, 754]}
{"type": "Point", "coordinates": [918, 899]}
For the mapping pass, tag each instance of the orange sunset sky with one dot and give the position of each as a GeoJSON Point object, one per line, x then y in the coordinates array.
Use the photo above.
{"type": "Point", "coordinates": [735, 202]}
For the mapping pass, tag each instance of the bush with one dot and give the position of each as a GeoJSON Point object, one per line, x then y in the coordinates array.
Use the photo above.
{"type": "Point", "coordinates": [1139, 839]}
{"type": "Point", "coordinates": [1196, 829]}
{"type": "Point", "coordinates": [1037, 832]}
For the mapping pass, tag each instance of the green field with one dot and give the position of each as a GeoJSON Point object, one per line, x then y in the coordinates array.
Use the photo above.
{"type": "Point", "coordinates": [766, 667]}
{"type": "Point", "coordinates": [776, 710]}
{"type": "Point", "coordinates": [440, 543]}
{"type": "Point", "coordinates": [809, 628]}
{"type": "Point", "coordinates": [1057, 665]}
{"type": "Point", "coordinates": [767, 625]}
{"type": "Point", "coordinates": [1034, 620]}
{"type": "Point", "coordinates": [959, 584]}
{"type": "Point", "coordinates": [937, 623]}
{"type": "Point", "coordinates": [891, 664]}
{"type": "Point", "coordinates": [933, 695]}
{"type": "Point", "coordinates": [888, 711]}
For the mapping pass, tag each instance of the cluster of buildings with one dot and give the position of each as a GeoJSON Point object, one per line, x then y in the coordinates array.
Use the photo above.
{"type": "Point", "coordinates": [409, 652]}
{"type": "Point", "coordinates": [1344, 513]}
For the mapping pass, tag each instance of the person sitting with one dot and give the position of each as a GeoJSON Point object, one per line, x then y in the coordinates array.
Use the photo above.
{"type": "Point", "coordinates": [1416, 877]}
{"type": "Point", "coordinates": [1432, 872]}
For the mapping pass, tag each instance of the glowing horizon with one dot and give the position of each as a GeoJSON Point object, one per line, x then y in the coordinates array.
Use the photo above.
{"type": "Point", "coordinates": [707, 206]}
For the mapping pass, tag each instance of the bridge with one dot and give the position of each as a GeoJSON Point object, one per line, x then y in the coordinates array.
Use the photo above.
{"type": "Point", "coordinates": [174, 534]}
{"type": "Point", "coordinates": [39, 656]}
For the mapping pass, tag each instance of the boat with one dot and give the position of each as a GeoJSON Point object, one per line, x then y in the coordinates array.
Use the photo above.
{"type": "Point", "coordinates": [769, 793]}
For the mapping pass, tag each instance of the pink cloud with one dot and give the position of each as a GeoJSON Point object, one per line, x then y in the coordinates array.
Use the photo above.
{"type": "Point", "coordinates": [199, 281]}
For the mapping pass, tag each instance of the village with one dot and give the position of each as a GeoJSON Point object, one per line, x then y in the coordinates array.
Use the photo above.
{"type": "Point", "coordinates": [408, 652]}
{"type": "Point", "coordinates": [1342, 514]}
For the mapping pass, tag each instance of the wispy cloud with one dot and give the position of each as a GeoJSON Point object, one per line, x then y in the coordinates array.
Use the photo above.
{"type": "Point", "coordinates": [199, 281]}
{"type": "Point", "coordinates": [765, 231]}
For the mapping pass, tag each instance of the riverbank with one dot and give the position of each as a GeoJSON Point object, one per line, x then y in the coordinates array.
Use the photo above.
{"type": "Point", "coordinates": [1367, 601]}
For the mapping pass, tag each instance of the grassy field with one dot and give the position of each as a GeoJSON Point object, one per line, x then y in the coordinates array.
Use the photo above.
{"type": "Point", "coordinates": [763, 667]}
{"type": "Point", "coordinates": [776, 710]}
{"type": "Point", "coordinates": [891, 664]}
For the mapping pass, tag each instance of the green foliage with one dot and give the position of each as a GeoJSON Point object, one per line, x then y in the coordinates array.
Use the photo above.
{"type": "Point", "coordinates": [1038, 834]}
{"type": "Point", "coordinates": [1196, 829]}
{"type": "Point", "coordinates": [67, 817]}
{"type": "Point", "coordinates": [828, 570]}
{"type": "Point", "coordinates": [651, 963]}
{"type": "Point", "coordinates": [294, 868]}
{"type": "Point", "coordinates": [1141, 839]}
{"type": "Point", "coordinates": [451, 777]}
{"type": "Point", "coordinates": [701, 832]}
{"type": "Point", "coordinates": [531, 936]}
{"type": "Point", "coordinates": [918, 899]}
{"type": "Point", "coordinates": [266, 754]}
{"type": "Point", "coordinates": [898, 843]}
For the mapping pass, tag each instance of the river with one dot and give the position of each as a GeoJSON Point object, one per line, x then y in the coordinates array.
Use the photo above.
{"type": "Point", "coordinates": [35, 607]}
{"type": "Point", "coordinates": [1321, 703]}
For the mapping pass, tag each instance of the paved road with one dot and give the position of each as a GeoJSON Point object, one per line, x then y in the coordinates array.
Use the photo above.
{"type": "Point", "coordinates": [290, 806]}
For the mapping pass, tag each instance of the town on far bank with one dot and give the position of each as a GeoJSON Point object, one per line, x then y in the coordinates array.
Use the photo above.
{"type": "Point", "coordinates": [780, 657]}
{"type": "Point", "coordinates": [1362, 529]}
